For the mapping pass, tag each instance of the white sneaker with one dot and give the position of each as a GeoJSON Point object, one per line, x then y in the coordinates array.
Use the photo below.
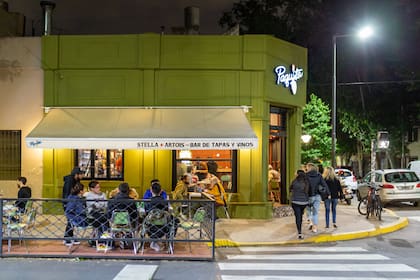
{"type": "Point", "coordinates": [155, 246]}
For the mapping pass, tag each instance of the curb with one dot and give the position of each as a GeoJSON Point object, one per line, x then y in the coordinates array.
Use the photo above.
{"type": "Point", "coordinates": [323, 238]}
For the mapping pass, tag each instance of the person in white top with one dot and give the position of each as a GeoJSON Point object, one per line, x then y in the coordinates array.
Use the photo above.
{"type": "Point", "coordinates": [96, 205]}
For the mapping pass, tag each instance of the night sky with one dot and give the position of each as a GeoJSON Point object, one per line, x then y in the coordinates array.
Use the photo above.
{"type": "Point", "coordinates": [120, 16]}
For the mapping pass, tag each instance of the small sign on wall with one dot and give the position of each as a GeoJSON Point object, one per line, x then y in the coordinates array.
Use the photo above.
{"type": "Point", "coordinates": [289, 80]}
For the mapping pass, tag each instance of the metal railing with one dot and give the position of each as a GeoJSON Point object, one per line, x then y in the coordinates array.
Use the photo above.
{"type": "Point", "coordinates": [183, 229]}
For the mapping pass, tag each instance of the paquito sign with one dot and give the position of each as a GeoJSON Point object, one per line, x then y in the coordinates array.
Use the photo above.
{"type": "Point", "coordinates": [288, 79]}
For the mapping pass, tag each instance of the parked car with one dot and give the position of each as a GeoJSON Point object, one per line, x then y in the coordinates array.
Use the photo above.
{"type": "Point", "coordinates": [347, 177]}
{"type": "Point", "coordinates": [395, 185]}
{"type": "Point", "coordinates": [414, 166]}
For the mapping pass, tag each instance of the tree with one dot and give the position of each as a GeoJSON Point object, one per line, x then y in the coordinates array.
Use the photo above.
{"type": "Point", "coordinates": [316, 122]}
{"type": "Point", "coordinates": [362, 130]}
{"type": "Point", "coordinates": [379, 65]}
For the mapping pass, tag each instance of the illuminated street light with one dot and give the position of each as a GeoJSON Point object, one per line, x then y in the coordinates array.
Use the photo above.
{"type": "Point", "coordinates": [363, 34]}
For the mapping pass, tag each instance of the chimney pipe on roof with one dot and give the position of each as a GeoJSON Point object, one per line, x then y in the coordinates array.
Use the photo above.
{"type": "Point", "coordinates": [4, 5]}
{"type": "Point", "coordinates": [192, 20]}
{"type": "Point", "coordinates": [47, 8]}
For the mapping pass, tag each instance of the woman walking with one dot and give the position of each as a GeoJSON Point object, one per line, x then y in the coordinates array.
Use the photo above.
{"type": "Point", "coordinates": [336, 192]}
{"type": "Point", "coordinates": [299, 197]}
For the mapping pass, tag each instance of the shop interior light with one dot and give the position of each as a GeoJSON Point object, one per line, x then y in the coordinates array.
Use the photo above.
{"type": "Point", "coordinates": [185, 154]}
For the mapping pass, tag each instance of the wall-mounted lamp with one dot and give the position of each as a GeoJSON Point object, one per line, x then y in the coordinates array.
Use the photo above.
{"type": "Point", "coordinates": [306, 138]}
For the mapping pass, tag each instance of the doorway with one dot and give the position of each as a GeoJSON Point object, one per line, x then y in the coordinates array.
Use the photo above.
{"type": "Point", "coordinates": [277, 147]}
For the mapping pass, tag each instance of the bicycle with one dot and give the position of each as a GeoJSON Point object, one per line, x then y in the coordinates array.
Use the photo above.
{"type": "Point", "coordinates": [371, 204]}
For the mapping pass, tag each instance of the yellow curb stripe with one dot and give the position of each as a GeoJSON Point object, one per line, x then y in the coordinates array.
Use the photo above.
{"type": "Point", "coordinates": [401, 223]}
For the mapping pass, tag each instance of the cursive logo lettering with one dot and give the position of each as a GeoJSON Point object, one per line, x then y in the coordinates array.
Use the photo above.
{"type": "Point", "coordinates": [288, 79]}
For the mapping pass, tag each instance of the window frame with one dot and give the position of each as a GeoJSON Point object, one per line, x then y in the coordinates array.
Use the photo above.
{"type": "Point", "coordinates": [233, 173]}
{"type": "Point", "coordinates": [11, 154]}
{"type": "Point", "coordinates": [92, 165]}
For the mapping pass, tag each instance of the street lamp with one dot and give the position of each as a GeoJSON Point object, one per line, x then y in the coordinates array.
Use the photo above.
{"type": "Point", "coordinates": [306, 138]}
{"type": "Point", "coordinates": [363, 33]}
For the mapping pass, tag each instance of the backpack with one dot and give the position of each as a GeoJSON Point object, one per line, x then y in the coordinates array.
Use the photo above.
{"type": "Point", "coordinates": [157, 217]}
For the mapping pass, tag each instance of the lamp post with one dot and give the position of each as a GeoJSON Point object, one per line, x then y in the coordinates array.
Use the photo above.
{"type": "Point", "coordinates": [381, 144]}
{"type": "Point", "coordinates": [362, 34]}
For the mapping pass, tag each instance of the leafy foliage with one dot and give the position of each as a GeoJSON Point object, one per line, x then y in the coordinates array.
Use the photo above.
{"type": "Point", "coordinates": [359, 128]}
{"type": "Point", "coordinates": [316, 122]}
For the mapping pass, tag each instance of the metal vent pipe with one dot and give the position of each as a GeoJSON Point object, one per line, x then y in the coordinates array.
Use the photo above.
{"type": "Point", "coordinates": [192, 20]}
{"type": "Point", "coordinates": [47, 8]}
{"type": "Point", "coordinates": [4, 5]}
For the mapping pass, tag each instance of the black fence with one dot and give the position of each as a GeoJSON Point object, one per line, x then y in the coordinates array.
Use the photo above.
{"type": "Point", "coordinates": [115, 228]}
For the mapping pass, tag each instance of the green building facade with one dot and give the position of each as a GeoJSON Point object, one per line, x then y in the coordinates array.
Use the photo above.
{"type": "Point", "coordinates": [175, 70]}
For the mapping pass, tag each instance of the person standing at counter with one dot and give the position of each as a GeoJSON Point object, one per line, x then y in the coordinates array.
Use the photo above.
{"type": "Point", "coordinates": [24, 193]}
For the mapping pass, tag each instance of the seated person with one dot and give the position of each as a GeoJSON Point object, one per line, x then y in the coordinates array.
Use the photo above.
{"type": "Point", "coordinates": [181, 188]}
{"type": "Point", "coordinates": [75, 211]}
{"type": "Point", "coordinates": [96, 207]}
{"type": "Point", "coordinates": [158, 231]}
{"type": "Point", "coordinates": [23, 194]}
{"type": "Point", "coordinates": [132, 193]}
{"type": "Point", "coordinates": [123, 202]}
{"type": "Point", "coordinates": [181, 191]}
{"type": "Point", "coordinates": [216, 191]}
{"type": "Point", "coordinates": [148, 193]}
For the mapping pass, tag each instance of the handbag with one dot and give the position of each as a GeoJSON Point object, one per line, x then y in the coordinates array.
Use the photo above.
{"type": "Point", "coordinates": [323, 192]}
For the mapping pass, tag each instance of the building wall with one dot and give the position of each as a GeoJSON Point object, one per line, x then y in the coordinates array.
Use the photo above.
{"type": "Point", "coordinates": [414, 147]}
{"type": "Point", "coordinates": [21, 91]}
{"type": "Point", "coordinates": [168, 70]}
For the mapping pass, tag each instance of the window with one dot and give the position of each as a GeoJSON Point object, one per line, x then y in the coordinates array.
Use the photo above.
{"type": "Point", "coordinates": [222, 161]}
{"type": "Point", "coordinates": [101, 164]}
{"type": "Point", "coordinates": [10, 154]}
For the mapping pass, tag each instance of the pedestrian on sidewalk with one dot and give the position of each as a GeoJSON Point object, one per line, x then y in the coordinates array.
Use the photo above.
{"type": "Point", "coordinates": [336, 192]}
{"type": "Point", "coordinates": [315, 181]}
{"type": "Point", "coordinates": [299, 196]}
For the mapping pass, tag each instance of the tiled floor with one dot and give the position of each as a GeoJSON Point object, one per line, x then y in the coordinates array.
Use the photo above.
{"type": "Point", "coordinates": [55, 248]}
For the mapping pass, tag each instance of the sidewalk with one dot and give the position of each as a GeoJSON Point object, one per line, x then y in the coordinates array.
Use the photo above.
{"type": "Point", "coordinates": [282, 230]}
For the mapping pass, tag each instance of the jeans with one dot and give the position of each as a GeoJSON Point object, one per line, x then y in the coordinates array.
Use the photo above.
{"type": "Point", "coordinates": [315, 201]}
{"type": "Point", "coordinates": [330, 204]}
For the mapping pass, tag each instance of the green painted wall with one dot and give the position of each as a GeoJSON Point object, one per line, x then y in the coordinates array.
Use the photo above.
{"type": "Point", "coordinates": [175, 70]}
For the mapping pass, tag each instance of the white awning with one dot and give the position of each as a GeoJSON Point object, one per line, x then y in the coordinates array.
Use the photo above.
{"type": "Point", "coordinates": [189, 128]}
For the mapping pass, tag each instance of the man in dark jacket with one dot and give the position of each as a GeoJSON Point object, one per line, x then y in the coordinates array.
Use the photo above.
{"type": "Point", "coordinates": [69, 182]}
{"type": "Point", "coordinates": [123, 202]}
{"type": "Point", "coordinates": [23, 194]}
{"type": "Point", "coordinates": [315, 179]}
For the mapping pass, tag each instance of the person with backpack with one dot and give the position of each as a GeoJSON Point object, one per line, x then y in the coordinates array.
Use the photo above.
{"type": "Point", "coordinates": [316, 184]}
{"type": "Point", "coordinates": [334, 187]}
{"type": "Point", "coordinates": [158, 219]}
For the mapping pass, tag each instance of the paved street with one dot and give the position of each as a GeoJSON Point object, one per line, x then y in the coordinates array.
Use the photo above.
{"type": "Point", "coordinates": [314, 262]}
